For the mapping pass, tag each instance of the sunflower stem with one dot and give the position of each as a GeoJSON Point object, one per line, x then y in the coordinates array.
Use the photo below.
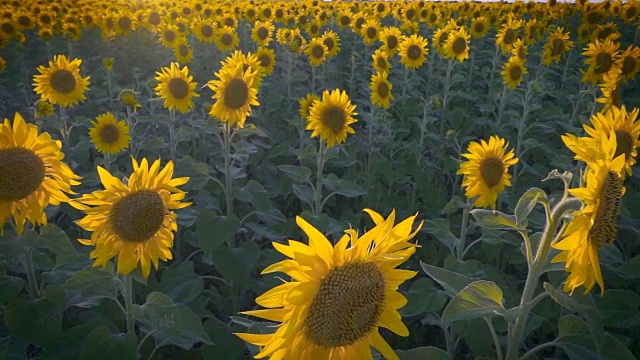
{"type": "Point", "coordinates": [64, 131]}
{"type": "Point", "coordinates": [172, 136]}
{"type": "Point", "coordinates": [463, 231]}
{"type": "Point", "coordinates": [539, 263]}
{"type": "Point", "coordinates": [127, 293]}
{"type": "Point", "coordinates": [228, 190]}
{"type": "Point", "coordinates": [318, 194]}
{"type": "Point", "coordinates": [496, 342]}
{"type": "Point", "coordinates": [31, 275]}
{"type": "Point", "coordinates": [445, 97]}
{"type": "Point", "coordinates": [313, 79]}
{"type": "Point", "coordinates": [107, 162]}
{"type": "Point", "coordinates": [501, 108]}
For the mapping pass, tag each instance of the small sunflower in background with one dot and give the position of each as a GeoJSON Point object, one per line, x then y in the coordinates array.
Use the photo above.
{"type": "Point", "coordinates": [248, 61]}
{"type": "Point", "coordinates": [600, 57]}
{"type": "Point", "coordinates": [513, 72]}
{"type": "Point", "coordinates": [134, 220]}
{"type": "Point", "coordinates": [169, 33]}
{"type": "Point", "coordinates": [306, 103]}
{"type": "Point", "coordinates": [267, 59]}
{"type": "Point", "coordinates": [370, 31]}
{"type": "Point", "coordinates": [390, 37]}
{"type": "Point", "coordinates": [606, 31]}
{"type": "Point", "coordinates": [32, 174]}
{"type": "Point", "coordinates": [330, 117]}
{"type": "Point", "coordinates": [381, 90]}
{"type": "Point", "coordinates": [176, 87]}
{"type": "Point", "coordinates": [234, 93]}
{"type": "Point", "coordinates": [108, 63]}
{"type": "Point", "coordinates": [227, 38]}
{"type": "Point", "coordinates": [204, 30]}
{"type": "Point", "coordinates": [413, 51]}
{"type": "Point", "coordinates": [61, 83]}
{"type": "Point", "coordinates": [332, 41]}
{"type": "Point", "coordinates": [381, 61]}
{"type": "Point", "coordinates": [486, 171]}
{"type": "Point", "coordinates": [339, 296]}
{"type": "Point", "coordinates": [43, 108]}
{"type": "Point", "coordinates": [109, 135]}
{"type": "Point", "coordinates": [129, 97]}
{"type": "Point", "coordinates": [182, 51]}
{"type": "Point", "coordinates": [262, 33]}
{"type": "Point", "coordinates": [507, 36]}
{"type": "Point", "coordinates": [520, 49]}
{"type": "Point", "coordinates": [457, 45]}
{"type": "Point", "coordinates": [610, 88]}
{"type": "Point", "coordinates": [629, 62]}
{"type": "Point", "coordinates": [556, 46]}
{"type": "Point", "coordinates": [316, 50]}
{"type": "Point", "coordinates": [479, 27]}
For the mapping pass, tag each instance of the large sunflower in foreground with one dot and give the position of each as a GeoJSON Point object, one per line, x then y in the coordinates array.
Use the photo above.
{"type": "Point", "coordinates": [61, 83]}
{"type": "Point", "coordinates": [234, 93]}
{"type": "Point", "coordinates": [486, 173]}
{"type": "Point", "coordinates": [339, 296]}
{"type": "Point", "coordinates": [330, 118]}
{"type": "Point", "coordinates": [596, 224]}
{"type": "Point", "coordinates": [133, 221]}
{"type": "Point", "coordinates": [32, 174]}
{"type": "Point", "coordinates": [109, 135]}
{"type": "Point", "coordinates": [176, 87]}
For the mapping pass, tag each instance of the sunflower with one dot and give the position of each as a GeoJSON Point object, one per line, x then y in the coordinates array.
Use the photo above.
{"type": "Point", "coordinates": [129, 97]}
{"type": "Point", "coordinates": [506, 37]}
{"type": "Point", "coordinates": [108, 63]}
{"type": "Point", "coordinates": [520, 49]}
{"type": "Point", "coordinates": [601, 57]}
{"type": "Point", "coordinates": [234, 93]}
{"type": "Point", "coordinates": [135, 220]}
{"type": "Point", "coordinates": [413, 51]}
{"type": "Point", "coordinates": [124, 23]}
{"type": "Point", "coordinates": [316, 50]}
{"type": "Point", "coordinates": [370, 31]}
{"type": "Point", "coordinates": [248, 61]}
{"type": "Point", "coordinates": [267, 59]}
{"type": "Point", "coordinates": [479, 27]}
{"type": "Point", "coordinates": [486, 173]}
{"type": "Point", "coordinates": [338, 297]}
{"type": "Point", "coordinates": [169, 34]}
{"type": "Point", "coordinates": [624, 125]}
{"type": "Point", "coordinates": [313, 28]}
{"type": "Point", "coordinates": [332, 41]}
{"type": "Point", "coordinates": [457, 45]}
{"type": "Point", "coordinates": [61, 83]}
{"type": "Point", "coordinates": [390, 37]}
{"type": "Point", "coordinates": [381, 90]}
{"type": "Point", "coordinates": [610, 88]}
{"type": "Point", "coordinates": [556, 46]}
{"type": "Point", "coordinates": [381, 61]}
{"type": "Point", "coordinates": [584, 33]}
{"type": "Point", "coordinates": [606, 31]}
{"type": "Point", "coordinates": [306, 103]}
{"type": "Point", "coordinates": [344, 19]}
{"type": "Point", "coordinates": [182, 51]}
{"type": "Point", "coordinates": [32, 174]}
{"type": "Point", "coordinates": [227, 38]}
{"type": "Point", "coordinates": [109, 135]}
{"type": "Point", "coordinates": [330, 118]}
{"type": "Point", "coordinates": [262, 33]}
{"type": "Point", "coordinates": [596, 224]}
{"type": "Point", "coordinates": [629, 62]}
{"type": "Point", "coordinates": [205, 31]}
{"type": "Point", "coordinates": [513, 72]}
{"type": "Point", "coordinates": [43, 108]}
{"type": "Point", "coordinates": [531, 28]}
{"type": "Point", "coordinates": [176, 87]}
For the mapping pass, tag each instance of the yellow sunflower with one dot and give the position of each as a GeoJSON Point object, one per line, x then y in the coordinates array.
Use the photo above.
{"type": "Point", "coordinates": [205, 31]}
{"type": "Point", "coordinates": [129, 97]}
{"type": "Point", "coordinates": [234, 93]}
{"type": "Point", "coordinates": [262, 33]}
{"type": "Point", "coordinates": [390, 37]}
{"type": "Point", "coordinates": [520, 49]}
{"type": "Point", "coordinates": [109, 135]}
{"type": "Point", "coordinates": [306, 103]}
{"type": "Point", "coordinates": [176, 87]}
{"type": "Point", "coordinates": [610, 87]}
{"type": "Point", "coordinates": [457, 45]}
{"type": "Point", "coordinates": [486, 173]}
{"type": "Point", "coordinates": [624, 125]}
{"type": "Point", "coordinates": [370, 31]}
{"type": "Point", "coordinates": [316, 50]}
{"type": "Point", "coordinates": [332, 41]}
{"type": "Point", "coordinates": [43, 108]}
{"type": "Point", "coordinates": [479, 27]}
{"type": "Point", "coordinates": [248, 61]}
{"type": "Point", "coordinates": [267, 59]}
{"type": "Point", "coordinates": [413, 51]}
{"type": "Point", "coordinates": [133, 221]}
{"type": "Point", "coordinates": [32, 174]}
{"type": "Point", "coordinates": [506, 37]}
{"type": "Point", "coordinates": [338, 297]}
{"type": "Point", "coordinates": [513, 72]}
{"type": "Point", "coordinates": [182, 51]}
{"type": "Point", "coordinates": [381, 90]}
{"type": "Point", "coordinates": [381, 61]}
{"type": "Point", "coordinates": [596, 224]}
{"type": "Point", "coordinates": [61, 83]}
{"type": "Point", "coordinates": [556, 46]}
{"type": "Point", "coordinates": [227, 38]}
{"type": "Point", "coordinates": [330, 118]}
{"type": "Point", "coordinates": [629, 62]}
{"type": "Point", "coordinates": [601, 57]}
{"type": "Point", "coordinates": [169, 34]}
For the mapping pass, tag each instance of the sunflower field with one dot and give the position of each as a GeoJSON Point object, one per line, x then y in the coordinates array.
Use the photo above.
{"type": "Point", "coordinates": [319, 180]}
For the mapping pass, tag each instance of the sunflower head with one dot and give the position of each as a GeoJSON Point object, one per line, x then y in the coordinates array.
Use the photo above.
{"type": "Point", "coordinates": [61, 83]}
{"type": "Point", "coordinates": [413, 51]}
{"type": "Point", "coordinates": [330, 118]}
{"type": "Point", "coordinates": [43, 108]}
{"type": "Point", "coordinates": [457, 45]}
{"type": "Point", "coordinates": [513, 72]}
{"type": "Point", "coordinates": [176, 87]}
{"type": "Point", "coordinates": [109, 135]}
{"type": "Point", "coordinates": [108, 63]}
{"type": "Point", "coordinates": [381, 90]}
{"type": "Point", "coordinates": [128, 97]}
{"type": "Point", "coordinates": [234, 92]}
{"type": "Point", "coordinates": [306, 103]}
{"type": "Point", "coordinates": [317, 51]}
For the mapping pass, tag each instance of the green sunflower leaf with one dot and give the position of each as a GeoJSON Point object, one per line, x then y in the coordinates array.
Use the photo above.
{"type": "Point", "coordinates": [495, 220]}
{"type": "Point", "coordinates": [478, 299]}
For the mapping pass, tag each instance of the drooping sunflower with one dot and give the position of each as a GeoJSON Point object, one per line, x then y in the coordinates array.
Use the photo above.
{"type": "Point", "coordinates": [556, 46]}
{"type": "Point", "coordinates": [109, 135]}
{"type": "Point", "coordinates": [306, 103]}
{"type": "Point", "coordinates": [332, 41]}
{"type": "Point", "coordinates": [32, 174]}
{"type": "Point", "coordinates": [595, 225]}
{"type": "Point", "coordinates": [629, 62]}
{"type": "Point", "coordinates": [234, 93]}
{"type": "Point", "coordinates": [457, 45]}
{"type": "Point", "coordinates": [381, 90]}
{"type": "Point", "coordinates": [61, 83]}
{"type": "Point", "coordinates": [624, 125]}
{"type": "Point", "coordinates": [316, 50]}
{"type": "Point", "coordinates": [413, 51]}
{"type": "Point", "coordinates": [262, 33]}
{"type": "Point", "coordinates": [43, 108]}
{"type": "Point", "coordinates": [227, 38]}
{"type": "Point", "coordinates": [601, 57]}
{"type": "Point", "coordinates": [176, 87]}
{"type": "Point", "coordinates": [338, 297]}
{"type": "Point", "coordinates": [330, 118]}
{"type": "Point", "coordinates": [486, 173]}
{"type": "Point", "coordinates": [513, 72]}
{"type": "Point", "coordinates": [129, 97]}
{"type": "Point", "coordinates": [381, 61]}
{"type": "Point", "coordinates": [135, 220]}
{"type": "Point", "coordinates": [182, 51]}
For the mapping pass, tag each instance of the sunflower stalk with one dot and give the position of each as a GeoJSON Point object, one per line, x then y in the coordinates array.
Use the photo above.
{"type": "Point", "coordinates": [317, 202]}
{"type": "Point", "coordinates": [501, 106]}
{"type": "Point", "coordinates": [228, 190]}
{"type": "Point", "coordinates": [522, 126]}
{"type": "Point", "coordinates": [463, 230]}
{"type": "Point", "coordinates": [31, 274]}
{"type": "Point", "coordinates": [127, 293]}
{"type": "Point", "coordinates": [445, 97]}
{"type": "Point", "coordinates": [172, 136]}
{"type": "Point", "coordinates": [539, 263]}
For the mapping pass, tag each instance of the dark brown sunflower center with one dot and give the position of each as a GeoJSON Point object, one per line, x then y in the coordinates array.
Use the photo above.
{"type": "Point", "coordinates": [7, 28]}
{"type": "Point", "coordinates": [313, 29]}
{"type": "Point", "coordinates": [557, 47]}
{"type": "Point", "coordinates": [206, 30]}
{"type": "Point", "coordinates": [236, 94]}
{"type": "Point", "coordinates": [515, 72]}
{"type": "Point", "coordinates": [63, 81]}
{"type": "Point", "coordinates": [334, 119]}
{"type": "Point", "coordinates": [359, 22]}
{"type": "Point", "coordinates": [317, 51]}
{"type": "Point", "coordinates": [21, 173]}
{"type": "Point", "coordinates": [509, 36]}
{"type": "Point", "coordinates": [24, 20]}
{"type": "Point", "coordinates": [604, 61]}
{"type": "Point", "coordinates": [628, 65]}
{"type": "Point", "coordinates": [183, 50]}
{"type": "Point", "coordinates": [262, 33]}
{"type": "Point", "coordinates": [348, 305]}
{"type": "Point", "coordinates": [267, 13]}
{"type": "Point", "coordinates": [594, 17]}
{"type": "Point", "coordinates": [392, 42]}
{"type": "Point", "coordinates": [178, 88]}
{"type": "Point", "coordinates": [169, 35]}
{"type": "Point", "coordinates": [383, 89]}
{"type": "Point", "coordinates": [45, 19]}
{"type": "Point", "coordinates": [265, 60]}
{"type": "Point", "coordinates": [345, 20]}
{"type": "Point", "coordinates": [625, 143]}
{"type": "Point", "coordinates": [605, 227]}
{"type": "Point", "coordinates": [491, 170]}
{"type": "Point", "coordinates": [251, 13]}
{"type": "Point", "coordinates": [226, 39]}
{"type": "Point", "coordinates": [382, 62]}
{"type": "Point", "coordinates": [124, 23]}
{"type": "Point", "coordinates": [137, 216]}
{"type": "Point", "coordinates": [109, 134]}
{"type": "Point", "coordinates": [329, 43]}
{"type": "Point", "coordinates": [459, 45]}
{"type": "Point", "coordinates": [279, 13]}
{"type": "Point", "coordinates": [479, 27]}
{"type": "Point", "coordinates": [604, 33]}
{"type": "Point", "coordinates": [229, 22]}
{"type": "Point", "coordinates": [372, 32]}
{"type": "Point", "coordinates": [154, 19]}
{"type": "Point", "coordinates": [414, 52]}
